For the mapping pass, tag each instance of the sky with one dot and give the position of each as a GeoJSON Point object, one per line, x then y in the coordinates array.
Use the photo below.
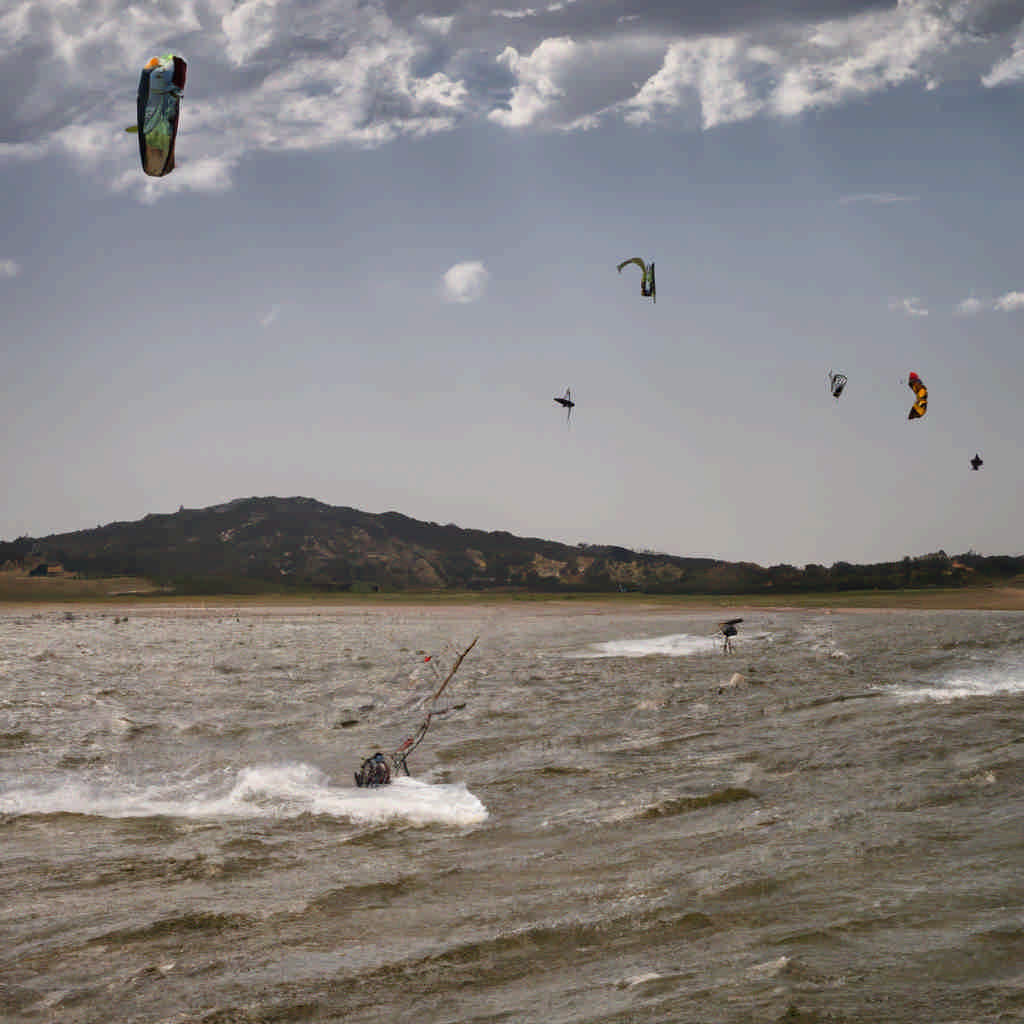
{"type": "Point", "coordinates": [391, 239]}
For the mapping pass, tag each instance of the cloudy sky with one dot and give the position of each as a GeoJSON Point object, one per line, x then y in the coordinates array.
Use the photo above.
{"type": "Point", "coordinates": [391, 239]}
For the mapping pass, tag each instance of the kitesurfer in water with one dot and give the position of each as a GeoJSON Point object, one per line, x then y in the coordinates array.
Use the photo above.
{"type": "Point", "coordinates": [728, 630]}
{"type": "Point", "coordinates": [379, 769]}
{"type": "Point", "coordinates": [374, 771]}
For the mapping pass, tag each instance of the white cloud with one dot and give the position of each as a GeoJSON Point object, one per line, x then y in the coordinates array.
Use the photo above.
{"type": "Point", "coordinates": [970, 306]}
{"type": "Point", "coordinates": [1010, 302]}
{"type": "Point", "coordinates": [877, 198]}
{"type": "Point", "coordinates": [250, 27]}
{"type": "Point", "coordinates": [737, 77]}
{"type": "Point", "coordinates": [464, 282]}
{"type": "Point", "coordinates": [715, 74]}
{"type": "Point", "coordinates": [571, 85]}
{"type": "Point", "coordinates": [518, 14]}
{"type": "Point", "coordinates": [8, 268]}
{"type": "Point", "coordinates": [442, 25]}
{"type": "Point", "coordinates": [282, 75]}
{"type": "Point", "coordinates": [911, 306]}
{"type": "Point", "coordinates": [538, 77]}
{"type": "Point", "coordinates": [264, 75]}
{"type": "Point", "coordinates": [205, 174]}
{"type": "Point", "coordinates": [1009, 69]}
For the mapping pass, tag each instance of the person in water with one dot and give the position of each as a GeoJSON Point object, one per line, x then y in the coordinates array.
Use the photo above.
{"type": "Point", "coordinates": [374, 771]}
{"type": "Point", "coordinates": [728, 630]}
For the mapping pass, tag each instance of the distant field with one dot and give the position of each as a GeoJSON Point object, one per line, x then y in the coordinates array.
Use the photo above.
{"type": "Point", "coordinates": [19, 588]}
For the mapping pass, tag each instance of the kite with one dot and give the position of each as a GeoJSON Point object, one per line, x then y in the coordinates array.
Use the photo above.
{"type": "Point", "coordinates": [161, 87]}
{"type": "Point", "coordinates": [728, 630]}
{"type": "Point", "coordinates": [379, 769]}
{"type": "Point", "coordinates": [920, 406]}
{"type": "Point", "coordinates": [836, 383]}
{"type": "Point", "coordinates": [977, 462]}
{"type": "Point", "coordinates": [567, 403]}
{"type": "Point", "coordinates": [647, 287]}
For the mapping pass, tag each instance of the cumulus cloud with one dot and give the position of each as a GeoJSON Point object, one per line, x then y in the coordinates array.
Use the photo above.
{"type": "Point", "coordinates": [8, 268]}
{"type": "Point", "coordinates": [794, 69]}
{"type": "Point", "coordinates": [286, 75]}
{"type": "Point", "coordinates": [264, 75]}
{"type": "Point", "coordinates": [1010, 302]}
{"type": "Point", "coordinates": [568, 84]}
{"type": "Point", "coordinates": [464, 282]}
{"type": "Point", "coordinates": [911, 306]}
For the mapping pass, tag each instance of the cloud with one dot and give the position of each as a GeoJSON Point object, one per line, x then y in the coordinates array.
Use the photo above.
{"type": "Point", "coordinates": [790, 70]}
{"type": "Point", "coordinates": [1009, 69]}
{"type": "Point", "coordinates": [264, 75]}
{"type": "Point", "coordinates": [8, 268]}
{"type": "Point", "coordinates": [306, 75]}
{"type": "Point", "coordinates": [911, 306]}
{"type": "Point", "coordinates": [464, 282]}
{"type": "Point", "coordinates": [567, 84]}
{"type": "Point", "coordinates": [970, 306]}
{"type": "Point", "coordinates": [877, 198]}
{"type": "Point", "coordinates": [530, 12]}
{"type": "Point", "coordinates": [1010, 302]}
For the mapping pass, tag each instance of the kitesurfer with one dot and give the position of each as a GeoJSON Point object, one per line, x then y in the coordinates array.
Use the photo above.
{"type": "Point", "coordinates": [374, 771]}
{"type": "Point", "coordinates": [728, 630]}
{"type": "Point", "coordinates": [379, 769]}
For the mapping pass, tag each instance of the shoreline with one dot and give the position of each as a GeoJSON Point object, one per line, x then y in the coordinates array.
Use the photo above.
{"type": "Point", "coordinates": [995, 598]}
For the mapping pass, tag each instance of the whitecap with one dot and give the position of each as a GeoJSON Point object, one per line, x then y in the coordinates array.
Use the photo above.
{"type": "Point", "coordinates": [674, 645]}
{"type": "Point", "coordinates": [278, 791]}
{"type": "Point", "coordinates": [995, 683]}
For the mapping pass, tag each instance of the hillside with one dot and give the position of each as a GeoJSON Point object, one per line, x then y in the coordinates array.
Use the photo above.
{"type": "Point", "coordinates": [255, 543]}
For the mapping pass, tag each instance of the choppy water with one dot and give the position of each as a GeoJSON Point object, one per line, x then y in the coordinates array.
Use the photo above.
{"type": "Point", "coordinates": [610, 831]}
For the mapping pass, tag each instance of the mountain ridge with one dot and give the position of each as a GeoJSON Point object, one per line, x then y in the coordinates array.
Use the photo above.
{"type": "Point", "coordinates": [305, 543]}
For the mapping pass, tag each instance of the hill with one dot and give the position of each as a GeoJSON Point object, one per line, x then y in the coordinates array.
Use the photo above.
{"type": "Point", "coordinates": [282, 543]}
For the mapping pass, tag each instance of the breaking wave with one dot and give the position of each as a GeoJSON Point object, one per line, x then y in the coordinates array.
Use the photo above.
{"type": "Point", "coordinates": [278, 791]}
{"type": "Point", "coordinates": [990, 683]}
{"type": "Point", "coordinates": [674, 645]}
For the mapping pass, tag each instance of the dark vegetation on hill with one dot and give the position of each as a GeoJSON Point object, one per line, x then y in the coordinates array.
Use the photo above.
{"type": "Point", "coordinates": [257, 544]}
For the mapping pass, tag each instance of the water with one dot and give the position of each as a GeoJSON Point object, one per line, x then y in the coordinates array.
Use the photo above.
{"type": "Point", "coordinates": [623, 824]}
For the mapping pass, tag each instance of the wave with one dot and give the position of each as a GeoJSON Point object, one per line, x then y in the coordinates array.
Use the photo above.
{"type": "Point", "coordinates": [674, 645]}
{"type": "Point", "coordinates": [277, 791]}
{"type": "Point", "coordinates": [989, 683]}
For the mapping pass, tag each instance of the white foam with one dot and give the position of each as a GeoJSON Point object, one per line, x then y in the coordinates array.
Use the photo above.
{"type": "Point", "coordinates": [995, 683]}
{"type": "Point", "coordinates": [279, 791]}
{"type": "Point", "coordinates": [674, 645]}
